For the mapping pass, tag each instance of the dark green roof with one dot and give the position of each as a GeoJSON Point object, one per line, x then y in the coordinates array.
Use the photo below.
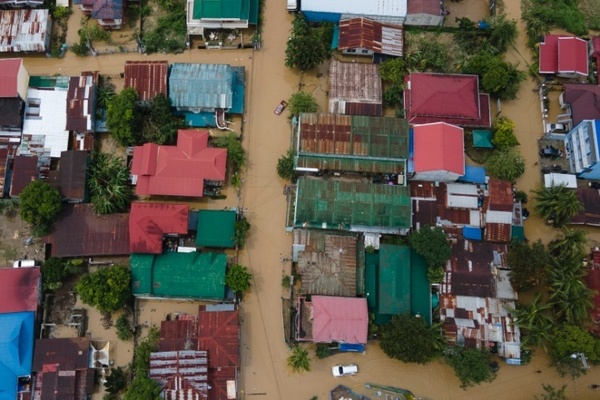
{"type": "Point", "coordinates": [216, 228]}
{"type": "Point", "coordinates": [187, 275]}
{"type": "Point", "coordinates": [226, 9]}
{"type": "Point", "coordinates": [482, 138]}
{"type": "Point", "coordinates": [517, 233]}
{"type": "Point", "coordinates": [420, 289]}
{"type": "Point", "coordinates": [394, 280]}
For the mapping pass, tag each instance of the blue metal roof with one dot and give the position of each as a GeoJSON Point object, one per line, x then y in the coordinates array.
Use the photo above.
{"type": "Point", "coordinates": [472, 233]}
{"type": "Point", "coordinates": [473, 174]}
{"type": "Point", "coordinates": [16, 351]}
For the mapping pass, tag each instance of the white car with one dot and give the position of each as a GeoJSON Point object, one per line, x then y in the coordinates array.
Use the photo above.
{"type": "Point", "coordinates": [344, 370]}
{"type": "Point", "coordinates": [24, 264]}
{"type": "Point", "coordinates": [556, 128]}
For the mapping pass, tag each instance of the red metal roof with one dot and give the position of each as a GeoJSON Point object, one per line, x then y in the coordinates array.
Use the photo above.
{"type": "Point", "coordinates": [9, 69]}
{"type": "Point", "coordinates": [439, 147]}
{"type": "Point", "coordinates": [148, 78]}
{"type": "Point", "coordinates": [24, 172]}
{"type": "Point", "coordinates": [20, 288]}
{"type": "Point", "coordinates": [178, 170]}
{"type": "Point", "coordinates": [450, 98]}
{"type": "Point", "coordinates": [563, 54]}
{"type": "Point", "coordinates": [501, 195]}
{"type": "Point", "coordinates": [584, 100]}
{"type": "Point", "coordinates": [182, 374]}
{"type": "Point", "coordinates": [79, 232]}
{"type": "Point", "coordinates": [432, 7]}
{"type": "Point", "coordinates": [596, 46]}
{"type": "Point", "coordinates": [150, 222]}
{"type": "Point", "coordinates": [340, 319]}
{"type": "Point", "coordinates": [364, 33]}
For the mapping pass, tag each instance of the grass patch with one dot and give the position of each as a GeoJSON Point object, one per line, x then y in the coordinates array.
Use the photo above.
{"type": "Point", "coordinates": [164, 26]}
{"type": "Point", "coordinates": [541, 16]}
{"type": "Point", "coordinates": [10, 252]}
{"type": "Point", "coordinates": [591, 10]}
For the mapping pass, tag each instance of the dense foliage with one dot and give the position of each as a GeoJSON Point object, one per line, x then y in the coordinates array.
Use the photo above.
{"type": "Point", "coordinates": [116, 380]}
{"type": "Point", "coordinates": [302, 102]}
{"type": "Point", "coordinates": [124, 330]}
{"type": "Point", "coordinates": [107, 289]}
{"type": "Point", "coordinates": [528, 263]}
{"type": "Point", "coordinates": [238, 278]}
{"type": "Point", "coordinates": [410, 339]}
{"type": "Point", "coordinates": [285, 166]}
{"type": "Point", "coordinates": [109, 184]}
{"type": "Point", "coordinates": [556, 205]}
{"type": "Point", "coordinates": [499, 78]}
{"type": "Point", "coordinates": [55, 271]}
{"type": "Point", "coordinates": [567, 342]}
{"type": "Point", "coordinates": [39, 204]}
{"type": "Point", "coordinates": [534, 319]}
{"type": "Point", "coordinates": [551, 393]}
{"type": "Point", "coordinates": [158, 125]}
{"type": "Point", "coordinates": [543, 16]}
{"type": "Point", "coordinates": [308, 46]}
{"type": "Point", "coordinates": [472, 366]}
{"type": "Point", "coordinates": [236, 155]}
{"type": "Point", "coordinates": [570, 298]}
{"type": "Point", "coordinates": [496, 38]}
{"type": "Point", "coordinates": [123, 116]}
{"type": "Point", "coordinates": [504, 136]}
{"type": "Point", "coordinates": [431, 243]}
{"type": "Point", "coordinates": [507, 165]}
{"type": "Point", "coordinates": [242, 227]}
{"type": "Point", "coordinates": [168, 30]}
{"type": "Point", "coordinates": [299, 360]}
{"type": "Point", "coordinates": [143, 387]}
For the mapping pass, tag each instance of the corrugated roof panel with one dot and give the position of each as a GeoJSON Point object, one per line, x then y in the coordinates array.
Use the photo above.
{"type": "Point", "coordinates": [148, 78]}
{"type": "Point", "coordinates": [24, 30]}
{"type": "Point", "coordinates": [201, 87]}
{"type": "Point", "coordinates": [19, 288]}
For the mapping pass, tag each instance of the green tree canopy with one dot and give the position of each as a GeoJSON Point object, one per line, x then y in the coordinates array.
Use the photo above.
{"type": "Point", "coordinates": [498, 78]}
{"type": "Point", "coordinates": [143, 387]}
{"type": "Point", "coordinates": [109, 184]}
{"type": "Point", "coordinates": [39, 204]}
{"type": "Point", "coordinates": [507, 165]}
{"type": "Point", "coordinates": [569, 245]}
{"type": "Point", "coordinates": [124, 329]}
{"type": "Point", "coordinates": [410, 339]}
{"type": "Point", "coordinates": [55, 271]}
{"type": "Point", "coordinates": [158, 125]}
{"type": "Point", "coordinates": [504, 136]}
{"type": "Point", "coordinates": [242, 228]}
{"type": "Point", "coordinates": [431, 243]}
{"type": "Point", "coordinates": [107, 289]}
{"type": "Point", "coordinates": [308, 47]}
{"type": "Point", "coordinates": [299, 360]}
{"type": "Point", "coordinates": [302, 102]}
{"type": "Point", "coordinates": [567, 340]}
{"type": "Point", "coordinates": [236, 155]}
{"type": "Point", "coordinates": [556, 205]}
{"type": "Point", "coordinates": [570, 298]}
{"type": "Point", "coordinates": [123, 117]}
{"type": "Point", "coordinates": [551, 393]}
{"type": "Point", "coordinates": [238, 278]}
{"type": "Point", "coordinates": [285, 166]}
{"type": "Point", "coordinates": [116, 380]}
{"type": "Point", "coordinates": [472, 366]}
{"type": "Point", "coordinates": [534, 319]}
{"type": "Point", "coordinates": [528, 264]}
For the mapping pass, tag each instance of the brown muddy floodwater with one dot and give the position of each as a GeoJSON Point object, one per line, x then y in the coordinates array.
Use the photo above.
{"type": "Point", "coordinates": [264, 374]}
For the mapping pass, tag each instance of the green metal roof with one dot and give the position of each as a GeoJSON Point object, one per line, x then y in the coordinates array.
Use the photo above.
{"type": "Point", "coordinates": [420, 289]}
{"type": "Point", "coordinates": [329, 203]}
{"type": "Point", "coordinates": [394, 280]}
{"type": "Point", "coordinates": [351, 164]}
{"type": "Point", "coordinates": [517, 233]}
{"type": "Point", "coordinates": [216, 228]}
{"type": "Point", "coordinates": [188, 275]}
{"type": "Point", "coordinates": [226, 9]}
{"type": "Point", "coordinates": [482, 138]}
{"type": "Point", "coordinates": [49, 82]}
{"type": "Point", "coordinates": [371, 280]}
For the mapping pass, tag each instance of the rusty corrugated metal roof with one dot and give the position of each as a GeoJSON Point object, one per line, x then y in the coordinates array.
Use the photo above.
{"type": "Point", "coordinates": [432, 7]}
{"type": "Point", "coordinates": [72, 175]}
{"type": "Point", "coordinates": [24, 172]}
{"type": "Point", "coordinates": [355, 89]}
{"type": "Point", "coordinates": [19, 288]}
{"type": "Point", "coordinates": [501, 195]}
{"type": "Point", "coordinates": [148, 78]}
{"type": "Point", "coordinates": [364, 33]}
{"type": "Point", "coordinates": [81, 102]}
{"type": "Point", "coordinates": [496, 232]}
{"type": "Point", "coordinates": [150, 222]}
{"type": "Point", "coordinates": [590, 199]}
{"type": "Point", "coordinates": [24, 30]}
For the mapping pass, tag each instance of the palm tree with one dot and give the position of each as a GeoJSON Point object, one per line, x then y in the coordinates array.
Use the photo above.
{"type": "Point", "coordinates": [299, 359]}
{"type": "Point", "coordinates": [557, 204]}
{"type": "Point", "coordinates": [570, 298]}
{"type": "Point", "coordinates": [109, 184]}
{"type": "Point", "coordinates": [569, 244]}
{"type": "Point", "coordinates": [533, 318]}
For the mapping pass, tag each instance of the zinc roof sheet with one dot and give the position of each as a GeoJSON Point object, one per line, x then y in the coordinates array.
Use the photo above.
{"type": "Point", "coordinates": [24, 172]}
{"type": "Point", "coordinates": [222, 9]}
{"type": "Point", "coordinates": [148, 78]}
{"type": "Point", "coordinates": [364, 33]}
{"type": "Point", "coordinates": [81, 102]}
{"type": "Point", "coordinates": [24, 30]}
{"type": "Point", "coordinates": [340, 319]}
{"type": "Point", "coordinates": [355, 88]}
{"type": "Point", "coordinates": [201, 86]}
{"type": "Point", "coordinates": [20, 289]}
{"type": "Point", "coordinates": [72, 175]}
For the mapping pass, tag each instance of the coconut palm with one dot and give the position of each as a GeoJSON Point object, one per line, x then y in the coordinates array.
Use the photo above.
{"type": "Point", "coordinates": [534, 320]}
{"type": "Point", "coordinates": [299, 360]}
{"type": "Point", "coordinates": [569, 244]}
{"type": "Point", "coordinates": [570, 299]}
{"type": "Point", "coordinates": [557, 205]}
{"type": "Point", "coordinates": [109, 184]}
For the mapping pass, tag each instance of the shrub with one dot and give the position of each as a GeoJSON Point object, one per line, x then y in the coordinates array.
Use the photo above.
{"type": "Point", "coordinates": [124, 329]}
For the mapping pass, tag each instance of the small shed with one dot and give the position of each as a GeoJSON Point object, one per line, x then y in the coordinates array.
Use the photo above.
{"type": "Point", "coordinates": [216, 228]}
{"type": "Point", "coordinates": [482, 139]}
{"type": "Point", "coordinates": [567, 180]}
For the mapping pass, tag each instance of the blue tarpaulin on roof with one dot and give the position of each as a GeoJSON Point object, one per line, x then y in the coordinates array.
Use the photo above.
{"type": "Point", "coordinates": [473, 174]}
{"type": "Point", "coordinates": [472, 233]}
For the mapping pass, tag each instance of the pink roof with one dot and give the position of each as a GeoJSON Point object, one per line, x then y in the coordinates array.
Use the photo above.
{"type": "Point", "coordinates": [439, 147]}
{"type": "Point", "coordinates": [340, 319]}
{"type": "Point", "coordinates": [563, 54]}
{"type": "Point", "coordinates": [9, 69]}
{"type": "Point", "coordinates": [19, 288]}
{"type": "Point", "coordinates": [178, 170]}
{"type": "Point", "coordinates": [451, 98]}
{"type": "Point", "coordinates": [150, 222]}
{"type": "Point", "coordinates": [596, 46]}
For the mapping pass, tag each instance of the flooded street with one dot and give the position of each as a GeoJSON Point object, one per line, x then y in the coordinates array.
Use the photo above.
{"type": "Point", "coordinates": [264, 373]}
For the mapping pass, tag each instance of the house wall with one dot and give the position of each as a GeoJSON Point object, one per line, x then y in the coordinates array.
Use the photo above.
{"type": "Point", "coordinates": [581, 145]}
{"type": "Point", "coordinates": [436, 176]}
{"type": "Point", "coordinates": [424, 20]}
{"type": "Point", "coordinates": [22, 82]}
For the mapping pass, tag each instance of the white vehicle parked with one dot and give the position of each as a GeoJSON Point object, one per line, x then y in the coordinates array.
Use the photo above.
{"type": "Point", "coordinates": [556, 128]}
{"type": "Point", "coordinates": [24, 264]}
{"type": "Point", "coordinates": [344, 370]}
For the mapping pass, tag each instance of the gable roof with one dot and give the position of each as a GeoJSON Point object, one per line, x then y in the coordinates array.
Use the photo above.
{"type": "Point", "coordinates": [20, 288]}
{"type": "Point", "coordinates": [107, 9]}
{"type": "Point", "coordinates": [181, 374]}
{"type": "Point", "coordinates": [72, 175]}
{"type": "Point", "coordinates": [180, 275]}
{"type": "Point", "coordinates": [216, 228]}
{"type": "Point", "coordinates": [16, 351]}
{"type": "Point", "coordinates": [590, 214]}
{"type": "Point", "coordinates": [201, 86]}
{"type": "Point", "coordinates": [24, 172]}
{"type": "Point", "coordinates": [150, 222]}
{"type": "Point", "coordinates": [11, 112]}
{"type": "Point", "coordinates": [355, 89]}
{"type": "Point", "coordinates": [564, 54]}
{"type": "Point", "coordinates": [439, 147]}
{"type": "Point", "coordinates": [451, 98]}
{"type": "Point", "coordinates": [81, 102]}
{"type": "Point", "coordinates": [432, 7]}
{"type": "Point", "coordinates": [339, 319]}
{"type": "Point", "coordinates": [501, 195]}
{"type": "Point", "coordinates": [365, 33]}
{"type": "Point", "coordinates": [79, 232]}
{"type": "Point", "coordinates": [148, 78]}
{"type": "Point", "coordinates": [178, 170]}
{"type": "Point", "coordinates": [584, 100]}
{"type": "Point", "coordinates": [9, 70]}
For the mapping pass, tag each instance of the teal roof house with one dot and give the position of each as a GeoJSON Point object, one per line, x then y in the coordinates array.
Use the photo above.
{"type": "Point", "coordinates": [220, 14]}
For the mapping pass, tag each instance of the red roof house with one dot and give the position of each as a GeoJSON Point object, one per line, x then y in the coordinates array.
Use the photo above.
{"type": "Point", "coordinates": [565, 56]}
{"type": "Point", "coordinates": [339, 319]}
{"type": "Point", "coordinates": [178, 170]}
{"type": "Point", "coordinates": [438, 152]}
{"type": "Point", "coordinates": [148, 78]}
{"type": "Point", "coordinates": [365, 37]}
{"type": "Point", "coordinates": [20, 288]}
{"type": "Point", "coordinates": [451, 98]}
{"type": "Point", "coordinates": [583, 101]}
{"type": "Point", "coordinates": [14, 78]}
{"type": "Point", "coordinates": [150, 222]}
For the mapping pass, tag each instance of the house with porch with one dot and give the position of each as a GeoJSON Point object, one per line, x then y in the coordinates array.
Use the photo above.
{"type": "Point", "coordinates": [108, 13]}
{"type": "Point", "coordinates": [366, 37]}
{"type": "Point", "coordinates": [564, 56]}
{"type": "Point", "coordinates": [203, 15]}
